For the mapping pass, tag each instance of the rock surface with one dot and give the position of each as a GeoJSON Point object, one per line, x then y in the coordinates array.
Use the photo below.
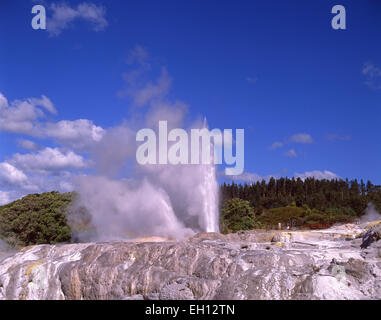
{"type": "Point", "coordinates": [373, 234]}
{"type": "Point", "coordinates": [327, 264]}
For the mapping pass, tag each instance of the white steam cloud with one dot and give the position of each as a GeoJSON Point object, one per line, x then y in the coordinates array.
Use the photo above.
{"type": "Point", "coordinates": [152, 200]}
{"type": "Point", "coordinates": [127, 200]}
{"type": "Point", "coordinates": [161, 200]}
{"type": "Point", "coordinates": [5, 250]}
{"type": "Point", "coordinates": [371, 214]}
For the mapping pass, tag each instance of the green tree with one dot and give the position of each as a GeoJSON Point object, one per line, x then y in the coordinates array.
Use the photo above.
{"type": "Point", "coordinates": [36, 219]}
{"type": "Point", "coordinates": [237, 214]}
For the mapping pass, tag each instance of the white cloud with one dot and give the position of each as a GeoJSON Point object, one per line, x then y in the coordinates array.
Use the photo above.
{"type": "Point", "coordinates": [147, 93]}
{"type": "Point", "coordinates": [44, 102]}
{"type": "Point", "coordinates": [290, 153]}
{"type": "Point", "coordinates": [153, 91]}
{"type": "Point", "coordinates": [26, 117]}
{"type": "Point", "coordinates": [10, 175]}
{"type": "Point", "coordinates": [3, 101]}
{"type": "Point", "coordinates": [20, 115]}
{"type": "Point", "coordinates": [276, 145]}
{"type": "Point", "coordinates": [372, 74]}
{"type": "Point", "coordinates": [78, 134]}
{"type": "Point", "coordinates": [320, 175]}
{"type": "Point", "coordinates": [4, 198]}
{"type": "Point", "coordinates": [301, 138]}
{"type": "Point", "coordinates": [48, 159]}
{"type": "Point", "coordinates": [138, 55]}
{"type": "Point", "coordinates": [249, 177]}
{"type": "Point", "coordinates": [28, 145]}
{"type": "Point", "coordinates": [63, 16]}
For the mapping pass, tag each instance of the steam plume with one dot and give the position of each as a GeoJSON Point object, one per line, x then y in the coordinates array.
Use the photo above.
{"type": "Point", "coordinates": [126, 200]}
{"type": "Point", "coordinates": [371, 214]}
{"type": "Point", "coordinates": [152, 200]}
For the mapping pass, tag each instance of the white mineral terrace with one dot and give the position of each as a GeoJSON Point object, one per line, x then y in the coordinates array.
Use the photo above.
{"type": "Point", "coordinates": [319, 264]}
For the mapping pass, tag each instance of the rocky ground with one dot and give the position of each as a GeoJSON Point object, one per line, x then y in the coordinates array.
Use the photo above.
{"type": "Point", "coordinates": [338, 263]}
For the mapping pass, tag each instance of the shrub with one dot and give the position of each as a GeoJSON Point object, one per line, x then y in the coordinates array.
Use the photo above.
{"type": "Point", "coordinates": [286, 215]}
{"type": "Point", "coordinates": [36, 219]}
{"type": "Point", "coordinates": [237, 215]}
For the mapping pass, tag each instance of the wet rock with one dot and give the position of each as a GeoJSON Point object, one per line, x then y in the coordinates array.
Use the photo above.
{"type": "Point", "coordinates": [370, 236]}
{"type": "Point", "coordinates": [276, 238]}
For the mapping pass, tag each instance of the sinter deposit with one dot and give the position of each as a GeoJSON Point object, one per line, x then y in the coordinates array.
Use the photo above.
{"type": "Point", "coordinates": [338, 263]}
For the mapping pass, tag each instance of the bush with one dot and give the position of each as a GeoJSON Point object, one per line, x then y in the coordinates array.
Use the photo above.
{"type": "Point", "coordinates": [286, 215]}
{"type": "Point", "coordinates": [345, 211]}
{"type": "Point", "coordinates": [316, 218]}
{"type": "Point", "coordinates": [237, 215]}
{"type": "Point", "coordinates": [36, 219]}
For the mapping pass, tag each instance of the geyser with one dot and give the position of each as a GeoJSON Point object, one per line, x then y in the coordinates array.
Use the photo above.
{"type": "Point", "coordinates": [128, 200]}
{"type": "Point", "coordinates": [209, 192]}
{"type": "Point", "coordinates": [172, 201]}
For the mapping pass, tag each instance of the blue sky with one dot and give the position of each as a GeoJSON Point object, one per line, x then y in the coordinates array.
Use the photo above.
{"type": "Point", "coordinates": [274, 68]}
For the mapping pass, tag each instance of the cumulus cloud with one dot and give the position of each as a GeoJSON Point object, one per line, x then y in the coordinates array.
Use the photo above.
{"type": "Point", "coordinates": [15, 181]}
{"type": "Point", "coordinates": [48, 159]}
{"type": "Point", "coordinates": [4, 198]}
{"type": "Point", "coordinates": [63, 17]}
{"type": "Point", "coordinates": [3, 101]}
{"type": "Point", "coordinates": [20, 115]}
{"type": "Point", "coordinates": [28, 117]}
{"type": "Point", "coordinates": [44, 102]}
{"type": "Point", "coordinates": [49, 168]}
{"type": "Point", "coordinates": [9, 174]}
{"type": "Point", "coordinates": [301, 138]}
{"type": "Point", "coordinates": [77, 134]}
{"type": "Point", "coordinates": [290, 153]}
{"type": "Point", "coordinates": [28, 145]}
{"type": "Point", "coordinates": [317, 175]}
{"type": "Point", "coordinates": [276, 145]}
{"type": "Point", "coordinates": [372, 75]}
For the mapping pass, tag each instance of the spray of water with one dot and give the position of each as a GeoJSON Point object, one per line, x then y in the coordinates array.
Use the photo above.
{"type": "Point", "coordinates": [209, 192]}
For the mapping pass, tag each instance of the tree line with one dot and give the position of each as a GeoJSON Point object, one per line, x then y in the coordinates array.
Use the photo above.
{"type": "Point", "coordinates": [342, 196]}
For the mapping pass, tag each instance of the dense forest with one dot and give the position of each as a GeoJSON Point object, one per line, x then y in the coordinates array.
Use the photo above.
{"type": "Point", "coordinates": [296, 202]}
